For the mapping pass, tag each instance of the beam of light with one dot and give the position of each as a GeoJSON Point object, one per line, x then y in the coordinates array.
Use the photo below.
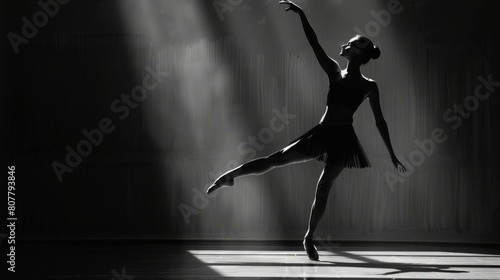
{"type": "Point", "coordinates": [229, 71]}
{"type": "Point", "coordinates": [192, 113]}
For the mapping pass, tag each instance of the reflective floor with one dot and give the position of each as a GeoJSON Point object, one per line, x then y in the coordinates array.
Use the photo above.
{"type": "Point", "coordinates": [159, 259]}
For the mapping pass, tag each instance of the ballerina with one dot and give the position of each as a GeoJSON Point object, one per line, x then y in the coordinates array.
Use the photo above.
{"type": "Point", "coordinates": [333, 140]}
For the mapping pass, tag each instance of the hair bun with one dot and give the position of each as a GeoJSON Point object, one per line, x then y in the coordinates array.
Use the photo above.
{"type": "Point", "coordinates": [375, 52]}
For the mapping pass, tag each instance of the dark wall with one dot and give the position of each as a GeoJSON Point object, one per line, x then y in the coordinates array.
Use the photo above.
{"type": "Point", "coordinates": [221, 80]}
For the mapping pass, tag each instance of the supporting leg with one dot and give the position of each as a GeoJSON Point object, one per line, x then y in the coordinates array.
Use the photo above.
{"type": "Point", "coordinates": [325, 183]}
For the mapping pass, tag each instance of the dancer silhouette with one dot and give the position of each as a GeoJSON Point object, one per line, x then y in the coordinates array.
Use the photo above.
{"type": "Point", "coordinates": [333, 140]}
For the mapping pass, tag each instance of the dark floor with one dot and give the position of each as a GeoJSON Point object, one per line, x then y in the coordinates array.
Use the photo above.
{"type": "Point", "coordinates": [159, 259]}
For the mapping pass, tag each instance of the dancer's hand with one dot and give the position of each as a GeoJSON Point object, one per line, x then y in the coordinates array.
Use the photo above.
{"type": "Point", "coordinates": [292, 6]}
{"type": "Point", "coordinates": [399, 166]}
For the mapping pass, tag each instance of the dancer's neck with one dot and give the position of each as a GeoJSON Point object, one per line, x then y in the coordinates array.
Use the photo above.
{"type": "Point", "coordinates": [352, 70]}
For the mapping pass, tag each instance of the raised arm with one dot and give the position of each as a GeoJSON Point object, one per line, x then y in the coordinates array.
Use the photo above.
{"type": "Point", "coordinates": [328, 64]}
{"type": "Point", "coordinates": [382, 125]}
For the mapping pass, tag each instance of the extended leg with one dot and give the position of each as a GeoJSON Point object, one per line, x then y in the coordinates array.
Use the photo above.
{"type": "Point", "coordinates": [259, 166]}
{"type": "Point", "coordinates": [325, 183]}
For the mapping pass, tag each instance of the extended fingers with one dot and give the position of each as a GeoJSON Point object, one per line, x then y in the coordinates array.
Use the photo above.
{"type": "Point", "coordinates": [286, 2]}
{"type": "Point", "coordinates": [401, 168]}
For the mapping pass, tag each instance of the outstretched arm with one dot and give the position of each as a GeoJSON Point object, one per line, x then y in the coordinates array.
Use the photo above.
{"type": "Point", "coordinates": [328, 64]}
{"type": "Point", "coordinates": [382, 125]}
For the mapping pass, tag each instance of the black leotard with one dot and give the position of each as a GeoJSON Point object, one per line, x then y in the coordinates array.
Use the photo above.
{"type": "Point", "coordinates": [341, 95]}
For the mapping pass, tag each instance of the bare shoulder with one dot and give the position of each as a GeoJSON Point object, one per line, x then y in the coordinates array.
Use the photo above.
{"type": "Point", "coordinates": [336, 65]}
{"type": "Point", "coordinates": [371, 87]}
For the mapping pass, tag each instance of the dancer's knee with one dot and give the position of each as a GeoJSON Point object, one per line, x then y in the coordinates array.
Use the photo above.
{"type": "Point", "coordinates": [325, 184]}
{"type": "Point", "coordinates": [278, 159]}
{"type": "Point", "coordinates": [323, 189]}
{"type": "Point", "coordinates": [282, 158]}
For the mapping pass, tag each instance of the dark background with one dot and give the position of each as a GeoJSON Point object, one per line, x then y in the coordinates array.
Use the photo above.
{"type": "Point", "coordinates": [226, 76]}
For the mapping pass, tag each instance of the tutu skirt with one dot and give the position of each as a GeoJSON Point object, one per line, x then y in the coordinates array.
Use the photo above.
{"type": "Point", "coordinates": [337, 145]}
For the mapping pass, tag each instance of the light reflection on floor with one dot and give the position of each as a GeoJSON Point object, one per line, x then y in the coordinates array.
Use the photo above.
{"type": "Point", "coordinates": [376, 263]}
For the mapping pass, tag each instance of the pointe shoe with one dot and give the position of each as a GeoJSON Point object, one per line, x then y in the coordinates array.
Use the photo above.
{"type": "Point", "coordinates": [311, 250]}
{"type": "Point", "coordinates": [222, 181]}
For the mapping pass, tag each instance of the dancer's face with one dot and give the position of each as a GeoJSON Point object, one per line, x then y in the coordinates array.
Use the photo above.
{"type": "Point", "coordinates": [351, 49]}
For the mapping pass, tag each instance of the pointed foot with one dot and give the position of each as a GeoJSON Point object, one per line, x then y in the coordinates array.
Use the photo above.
{"type": "Point", "coordinates": [311, 250]}
{"type": "Point", "coordinates": [221, 182]}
